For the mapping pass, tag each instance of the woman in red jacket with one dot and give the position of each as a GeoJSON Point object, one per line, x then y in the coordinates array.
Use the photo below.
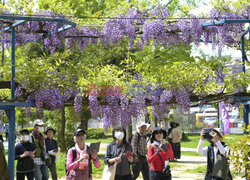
{"type": "Point", "coordinates": [159, 154]}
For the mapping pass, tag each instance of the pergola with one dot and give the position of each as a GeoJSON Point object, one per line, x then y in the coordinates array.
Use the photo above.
{"type": "Point", "coordinates": [9, 107]}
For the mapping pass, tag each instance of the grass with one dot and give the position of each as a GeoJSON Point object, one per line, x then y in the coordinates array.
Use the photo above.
{"type": "Point", "coordinates": [194, 140]}
{"type": "Point", "coordinates": [199, 169]}
{"type": "Point", "coordinates": [105, 140]}
{"type": "Point", "coordinates": [203, 169]}
{"type": "Point", "coordinates": [190, 153]}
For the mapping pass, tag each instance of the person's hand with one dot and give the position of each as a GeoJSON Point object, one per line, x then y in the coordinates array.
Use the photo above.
{"type": "Point", "coordinates": [118, 159]}
{"type": "Point", "coordinates": [136, 158]}
{"type": "Point", "coordinates": [26, 153]}
{"type": "Point", "coordinates": [111, 160]}
{"type": "Point", "coordinates": [158, 150]}
{"type": "Point", "coordinates": [93, 154]}
{"type": "Point", "coordinates": [215, 137]}
{"type": "Point", "coordinates": [130, 159]}
{"type": "Point", "coordinates": [52, 153]}
{"type": "Point", "coordinates": [32, 155]}
{"type": "Point", "coordinates": [202, 134]}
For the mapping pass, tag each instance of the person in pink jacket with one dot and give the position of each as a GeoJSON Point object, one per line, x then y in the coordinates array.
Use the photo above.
{"type": "Point", "coordinates": [79, 165]}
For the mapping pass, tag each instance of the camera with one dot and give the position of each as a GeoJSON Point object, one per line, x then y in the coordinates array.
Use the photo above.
{"type": "Point", "coordinates": [207, 135]}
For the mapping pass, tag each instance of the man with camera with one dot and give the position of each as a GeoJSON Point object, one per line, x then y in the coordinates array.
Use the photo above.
{"type": "Point", "coordinates": [41, 169]}
{"type": "Point", "coordinates": [215, 150]}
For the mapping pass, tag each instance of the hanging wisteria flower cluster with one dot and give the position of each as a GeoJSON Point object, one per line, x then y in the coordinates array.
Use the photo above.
{"type": "Point", "coordinates": [140, 26]}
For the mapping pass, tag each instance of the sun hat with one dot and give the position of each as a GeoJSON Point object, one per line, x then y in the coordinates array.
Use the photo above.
{"type": "Point", "coordinates": [38, 122]}
{"type": "Point", "coordinates": [220, 131]}
{"type": "Point", "coordinates": [76, 132]}
{"type": "Point", "coordinates": [24, 130]}
{"type": "Point", "coordinates": [157, 129]}
{"type": "Point", "coordinates": [49, 128]}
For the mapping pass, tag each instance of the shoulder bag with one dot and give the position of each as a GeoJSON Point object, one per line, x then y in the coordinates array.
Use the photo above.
{"type": "Point", "coordinates": [109, 171]}
{"type": "Point", "coordinates": [221, 167]}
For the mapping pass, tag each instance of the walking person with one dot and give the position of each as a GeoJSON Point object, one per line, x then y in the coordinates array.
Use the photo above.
{"type": "Point", "coordinates": [24, 154]}
{"type": "Point", "coordinates": [41, 169]}
{"type": "Point", "coordinates": [148, 134]}
{"type": "Point", "coordinates": [159, 154]}
{"type": "Point", "coordinates": [139, 145]}
{"type": "Point", "coordinates": [217, 147]}
{"type": "Point", "coordinates": [52, 149]}
{"type": "Point", "coordinates": [176, 136]}
{"type": "Point", "coordinates": [79, 161]}
{"type": "Point", "coordinates": [120, 151]}
{"type": "Point", "coordinates": [172, 124]}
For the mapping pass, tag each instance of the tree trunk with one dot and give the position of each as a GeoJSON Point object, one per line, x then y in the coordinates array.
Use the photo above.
{"type": "Point", "coordinates": [85, 116]}
{"type": "Point", "coordinates": [62, 129]}
{"type": "Point", "coordinates": [129, 131]}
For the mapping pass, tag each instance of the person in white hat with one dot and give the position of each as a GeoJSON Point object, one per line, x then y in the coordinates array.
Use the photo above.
{"type": "Point", "coordinates": [139, 145]}
{"type": "Point", "coordinates": [41, 169]}
{"type": "Point", "coordinates": [217, 147]}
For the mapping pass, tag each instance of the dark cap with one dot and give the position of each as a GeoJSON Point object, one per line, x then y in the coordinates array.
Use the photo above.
{"type": "Point", "coordinates": [79, 130]}
{"type": "Point", "coordinates": [49, 128]}
{"type": "Point", "coordinates": [159, 129]}
{"type": "Point", "coordinates": [24, 130]}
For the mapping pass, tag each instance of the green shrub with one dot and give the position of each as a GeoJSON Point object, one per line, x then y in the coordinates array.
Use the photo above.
{"type": "Point", "coordinates": [95, 133]}
{"type": "Point", "coordinates": [184, 137]}
{"type": "Point", "coordinates": [240, 154]}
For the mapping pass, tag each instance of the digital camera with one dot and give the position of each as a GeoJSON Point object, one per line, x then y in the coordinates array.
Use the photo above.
{"type": "Point", "coordinates": [207, 135]}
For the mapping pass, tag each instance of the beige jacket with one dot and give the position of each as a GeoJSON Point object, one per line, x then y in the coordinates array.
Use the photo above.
{"type": "Point", "coordinates": [175, 135]}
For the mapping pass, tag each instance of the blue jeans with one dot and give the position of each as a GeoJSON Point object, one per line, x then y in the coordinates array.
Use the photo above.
{"type": "Point", "coordinates": [41, 172]}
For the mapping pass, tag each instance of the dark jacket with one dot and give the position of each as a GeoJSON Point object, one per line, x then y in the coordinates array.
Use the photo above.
{"type": "Point", "coordinates": [51, 144]}
{"type": "Point", "coordinates": [113, 150]}
{"type": "Point", "coordinates": [25, 164]}
{"type": "Point", "coordinates": [4, 172]}
{"type": "Point", "coordinates": [210, 165]}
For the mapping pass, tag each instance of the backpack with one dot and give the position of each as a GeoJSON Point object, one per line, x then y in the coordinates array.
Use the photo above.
{"type": "Point", "coordinates": [130, 139]}
{"type": "Point", "coordinates": [74, 156]}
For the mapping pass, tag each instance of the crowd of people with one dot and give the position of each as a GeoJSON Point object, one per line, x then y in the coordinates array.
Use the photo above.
{"type": "Point", "coordinates": [147, 151]}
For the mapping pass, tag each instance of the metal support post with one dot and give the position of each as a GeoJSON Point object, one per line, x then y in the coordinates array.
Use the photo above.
{"type": "Point", "coordinates": [12, 118]}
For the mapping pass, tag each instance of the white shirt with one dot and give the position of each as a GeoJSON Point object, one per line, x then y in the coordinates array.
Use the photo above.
{"type": "Point", "coordinates": [203, 151]}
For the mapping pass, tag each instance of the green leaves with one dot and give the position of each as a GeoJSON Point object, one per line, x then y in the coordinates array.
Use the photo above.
{"type": "Point", "coordinates": [240, 154]}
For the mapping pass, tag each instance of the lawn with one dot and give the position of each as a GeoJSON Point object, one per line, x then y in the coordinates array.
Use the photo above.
{"type": "Point", "coordinates": [194, 140]}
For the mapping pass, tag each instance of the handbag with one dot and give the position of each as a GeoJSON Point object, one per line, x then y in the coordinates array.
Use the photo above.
{"type": "Point", "coordinates": [221, 167]}
{"type": "Point", "coordinates": [45, 157]}
{"type": "Point", "coordinates": [109, 171]}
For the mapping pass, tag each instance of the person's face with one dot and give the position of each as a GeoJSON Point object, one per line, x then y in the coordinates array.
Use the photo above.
{"type": "Point", "coordinates": [38, 128]}
{"type": "Point", "coordinates": [149, 129]}
{"type": "Point", "coordinates": [24, 136]}
{"type": "Point", "coordinates": [143, 129]}
{"type": "Point", "coordinates": [159, 136]}
{"type": "Point", "coordinates": [50, 134]}
{"type": "Point", "coordinates": [215, 134]}
{"type": "Point", "coordinates": [80, 138]}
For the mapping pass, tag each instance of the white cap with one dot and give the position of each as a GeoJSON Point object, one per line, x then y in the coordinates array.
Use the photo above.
{"type": "Point", "coordinates": [220, 131]}
{"type": "Point", "coordinates": [38, 122]}
{"type": "Point", "coordinates": [142, 124]}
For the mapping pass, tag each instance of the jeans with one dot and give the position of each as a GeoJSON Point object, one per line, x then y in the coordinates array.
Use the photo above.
{"type": "Point", "coordinates": [142, 165]}
{"type": "Point", "coordinates": [158, 175]}
{"type": "Point", "coordinates": [41, 172]}
{"type": "Point", "coordinates": [52, 169]}
{"type": "Point", "coordinates": [21, 176]}
{"type": "Point", "coordinates": [125, 177]}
